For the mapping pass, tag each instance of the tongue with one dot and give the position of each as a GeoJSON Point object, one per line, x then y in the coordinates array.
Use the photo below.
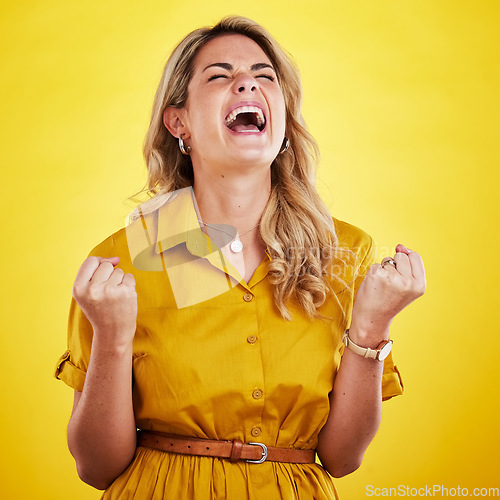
{"type": "Point", "coordinates": [245, 122]}
{"type": "Point", "coordinates": [245, 128]}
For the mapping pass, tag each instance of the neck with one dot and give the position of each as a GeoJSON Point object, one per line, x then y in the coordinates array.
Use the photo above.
{"type": "Point", "coordinates": [238, 201]}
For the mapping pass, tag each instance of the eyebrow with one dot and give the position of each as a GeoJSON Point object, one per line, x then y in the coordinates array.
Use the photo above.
{"type": "Point", "coordinates": [229, 67]}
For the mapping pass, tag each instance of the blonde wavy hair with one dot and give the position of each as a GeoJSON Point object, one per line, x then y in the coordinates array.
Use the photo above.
{"type": "Point", "coordinates": [296, 226]}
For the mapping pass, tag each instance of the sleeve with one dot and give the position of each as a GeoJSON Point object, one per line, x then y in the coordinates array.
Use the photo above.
{"type": "Point", "coordinates": [72, 366]}
{"type": "Point", "coordinates": [392, 383]}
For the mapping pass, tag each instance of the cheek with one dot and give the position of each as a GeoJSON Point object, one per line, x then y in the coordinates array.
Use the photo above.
{"type": "Point", "coordinates": [281, 107]}
{"type": "Point", "coordinates": [282, 116]}
{"type": "Point", "coordinates": [200, 105]}
{"type": "Point", "coordinates": [200, 117]}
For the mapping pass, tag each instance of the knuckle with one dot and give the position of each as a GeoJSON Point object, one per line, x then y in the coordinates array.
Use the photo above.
{"type": "Point", "coordinates": [129, 292]}
{"type": "Point", "coordinates": [407, 284]}
{"type": "Point", "coordinates": [110, 290]}
{"type": "Point", "coordinates": [130, 277]}
{"type": "Point", "coordinates": [118, 271]}
{"type": "Point", "coordinates": [77, 290]}
{"type": "Point", "coordinates": [94, 292]}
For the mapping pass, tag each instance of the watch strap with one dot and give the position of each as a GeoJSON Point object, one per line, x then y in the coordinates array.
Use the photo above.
{"type": "Point", "coordinates": [366, 352]}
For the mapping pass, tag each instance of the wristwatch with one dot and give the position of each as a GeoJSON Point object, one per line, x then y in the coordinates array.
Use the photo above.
{"type": "Point", "coordinates": [380, 353]}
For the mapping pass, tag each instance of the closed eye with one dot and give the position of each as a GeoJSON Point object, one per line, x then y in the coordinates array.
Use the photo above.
{"type": "Point", "coordinates": [217, 76]}
{"type": "Point", "coordinates": [269, 77]}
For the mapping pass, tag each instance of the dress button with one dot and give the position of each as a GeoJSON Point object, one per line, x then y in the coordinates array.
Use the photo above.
{"type": "Point", "coordinates": [257, 394]}
{"type": "Point", "coordinates": [256, 432]}
{"type": "Point", "coordinates": [251, 339]}
{"type": "Point", "coordinates": [247, 297]}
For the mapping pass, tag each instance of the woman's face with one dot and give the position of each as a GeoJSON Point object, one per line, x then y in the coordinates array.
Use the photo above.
{"type": "Point", "coordinates": [235, 111]}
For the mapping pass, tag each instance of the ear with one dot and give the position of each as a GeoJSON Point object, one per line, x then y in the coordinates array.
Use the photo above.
{"type": "Point", "coordinates": [173, 119]}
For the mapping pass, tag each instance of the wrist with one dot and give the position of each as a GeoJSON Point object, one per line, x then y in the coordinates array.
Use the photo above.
{"type": "Point", "coordinates": [110, 346]}
{"type": "Point", "coordinates": [369, 335]}
{"type": "Point", "coordinates": [379, 353]}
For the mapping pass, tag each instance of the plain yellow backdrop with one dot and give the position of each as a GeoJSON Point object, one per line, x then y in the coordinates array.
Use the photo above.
{"type": "Point", "coordinates": [403, 98]}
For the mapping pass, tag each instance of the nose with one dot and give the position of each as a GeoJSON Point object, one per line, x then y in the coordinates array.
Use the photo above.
{"type": "Point", "coordinates": [244, 83]}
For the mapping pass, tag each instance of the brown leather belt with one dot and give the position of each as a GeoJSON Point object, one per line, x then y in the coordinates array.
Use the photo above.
{"type": "Point", "coordinates": [232, 450]}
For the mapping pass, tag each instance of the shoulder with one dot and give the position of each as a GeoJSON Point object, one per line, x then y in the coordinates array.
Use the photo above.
{"type": "Point", "coordinates": [352, 237]}
{"type": "Point", "coordinates": [354, 255]}
{"type": "Point", "coordinates": [113, 245]}
{"type": "Point", "coordinates": [135, 245]}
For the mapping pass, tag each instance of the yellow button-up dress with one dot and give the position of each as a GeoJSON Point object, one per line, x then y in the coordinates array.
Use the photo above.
{"type": "Point", "coordinates": [214, 359]}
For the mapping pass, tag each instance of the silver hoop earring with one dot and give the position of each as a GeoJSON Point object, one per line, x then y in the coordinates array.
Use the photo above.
{"type": "Point", "coordinates": [184, 151]}
{"type": "Point", "coordinates": [285, 145]}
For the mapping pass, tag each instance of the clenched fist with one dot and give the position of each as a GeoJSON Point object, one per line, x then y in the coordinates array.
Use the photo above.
{"type": "Point", "coordinates": [385, 291]}
{"type": "Point", "coordinates": [108, 299]}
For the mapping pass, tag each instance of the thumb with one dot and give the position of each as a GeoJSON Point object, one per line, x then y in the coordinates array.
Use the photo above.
{"type": "Point", "coordinates": [113, 260]}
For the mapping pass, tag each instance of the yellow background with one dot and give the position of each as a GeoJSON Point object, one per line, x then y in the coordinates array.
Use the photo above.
{"type": "Point", "coordinates": [403, 98]}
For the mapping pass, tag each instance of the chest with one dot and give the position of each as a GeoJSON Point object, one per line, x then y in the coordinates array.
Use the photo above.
{"type": "Point", "coordinates": [246, 261]}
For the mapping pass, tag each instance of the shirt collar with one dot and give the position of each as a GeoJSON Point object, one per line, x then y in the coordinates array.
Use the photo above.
{"type": "Point", "coordinates": [178, 222]}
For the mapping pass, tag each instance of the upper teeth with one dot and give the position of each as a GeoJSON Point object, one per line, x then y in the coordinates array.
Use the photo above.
{"type": "Point", "coordinates": [246, 109]}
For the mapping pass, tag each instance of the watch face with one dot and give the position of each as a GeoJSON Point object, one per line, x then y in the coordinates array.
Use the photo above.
{"type": "Point", "coordinates": [384, 352]}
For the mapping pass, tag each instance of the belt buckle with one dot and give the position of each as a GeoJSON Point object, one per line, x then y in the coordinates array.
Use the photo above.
{"type": "Point", "coordinates": [264, 454]}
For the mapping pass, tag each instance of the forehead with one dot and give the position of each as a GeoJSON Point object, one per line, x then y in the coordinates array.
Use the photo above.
{"type": "Point", "coordinates": [233, 49]}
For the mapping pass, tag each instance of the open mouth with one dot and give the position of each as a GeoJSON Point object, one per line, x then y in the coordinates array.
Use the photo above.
{"type": "Point", "coordinates": [246, 119]}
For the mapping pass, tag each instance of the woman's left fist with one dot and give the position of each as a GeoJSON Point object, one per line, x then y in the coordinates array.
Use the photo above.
{"type": "Point", "coordinates": [386, 290]}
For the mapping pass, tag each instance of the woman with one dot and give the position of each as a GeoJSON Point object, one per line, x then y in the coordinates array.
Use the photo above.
{"type": "Point", "coordinates": [225, 322]}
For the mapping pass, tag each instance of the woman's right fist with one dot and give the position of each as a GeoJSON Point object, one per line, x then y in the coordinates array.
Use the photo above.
{"type": "Point", "coordinates": [108, 299]}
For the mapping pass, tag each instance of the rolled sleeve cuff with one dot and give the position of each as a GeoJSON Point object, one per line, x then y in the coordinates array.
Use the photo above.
{"type": "Point", "coordinates": [69, 373]}
{"type": "Point", "coordinates": [392, 384]}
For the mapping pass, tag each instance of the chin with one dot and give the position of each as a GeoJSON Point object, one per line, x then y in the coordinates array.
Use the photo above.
{"type": "Point", "coordinates": [253, 156]}
{"type": "Point", "coordinates": [256, 150]}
